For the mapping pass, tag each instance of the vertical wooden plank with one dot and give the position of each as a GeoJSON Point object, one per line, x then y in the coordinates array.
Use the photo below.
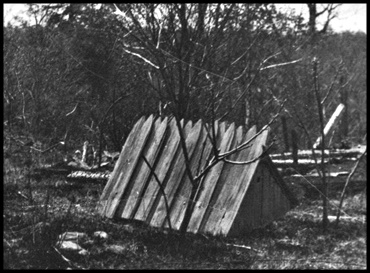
{"type": "Point", "coordinates": [132, 196]}
{"type": "Point", "coordinates": [176, 176]}
{"type": "Point", "coordinates": [241, 181]}
{"type": "Point", "coordinates": [163, 165]}
{"type": "Point", "coordinates": [222, 130]}
{"type": "Point", "coordinates": [118, 166]}
{"type": "Point", "coordinates": [128, 166]}
{"type": "Point", "coordinates": [274, 190]}
{"type": "Point", "coordinates": [209, 183]}
{"type": "Point", "coordinates": [212, 212]}
{"type": "Point", "coordinates": [248, 215]}
{"type": "Point", "coordinates": [181, 200]}
{"type": "Point", "coordinates": [231, 180]}
{"type": "Point", "coordinates": [266, 197]}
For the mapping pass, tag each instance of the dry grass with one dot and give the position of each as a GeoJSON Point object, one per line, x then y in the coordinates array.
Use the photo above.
{"type": "Point", "coordinates": [32, 224]}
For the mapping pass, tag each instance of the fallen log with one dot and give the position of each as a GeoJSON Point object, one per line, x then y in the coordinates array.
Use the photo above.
{"type": "Point", "coordinates": [313, 184]}
{"type": "Point", "coordinates": [347, 153]}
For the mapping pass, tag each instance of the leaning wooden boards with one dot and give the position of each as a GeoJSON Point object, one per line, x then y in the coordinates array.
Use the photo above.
{"type": "Point", "coordinates": [160, 193]}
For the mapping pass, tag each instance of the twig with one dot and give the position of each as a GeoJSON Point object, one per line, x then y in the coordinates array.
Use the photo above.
{"type": "Point", "coordinates": [141, 57]}
{"type": "Point", "coordinates": [280, 64]}
{"type": "Point", "coordinates": [345, 186]}
{"type": "Point", "coordinates": [320, 192]}
{"type": "Point", "coordinates": [68, 261]}
{"type": "Point", "coordinates": [242, 146]}
{"type": "Point", "coordinates": [74, 109]}
{"type": "Point", "coordinates": [152, 172]}
{"type": "Point", "coordinates": [243, 246]}
{"type": "Point", "coordinates": [249, 161]}
{"type": "Point", "coordinates": [245, 144]}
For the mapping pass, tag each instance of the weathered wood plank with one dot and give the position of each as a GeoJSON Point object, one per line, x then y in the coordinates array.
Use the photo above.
{"type": "Point", "coordinates": [251, 218]}
{"type": "Point", "coordinates": [118, 166]}
{"type": "Point", "coordinates": [267, 192]}
{"type": "Point", "coordinates": [249, 213]}
{"type": "Point", "coordinates": [129, 163]}
{"type": "Point", "coordinates": [242, 181]}
{"type": "Point", "coordinates": [166, 159]}
{"type": "Point", "coordinates": [232, 180]}
{"type": "Point", "coordinates": [331, 123]}
{"type": "Point", "coordinates": [176, 176]}
{"type": "Point", "coordinates": [197, 163]}
{"type": "Point", "coordinates": [209, 128]}
{"type": "Point", "coordinates": [222, 130]}
{"type": "Point", "coordinates": [212, 210]}
{"type": "Point", "coordinates": [209, 183]}
{"type": "Point", "coordinates": [132, 196]}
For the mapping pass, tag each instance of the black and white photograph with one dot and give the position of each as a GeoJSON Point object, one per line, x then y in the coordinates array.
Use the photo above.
{"type": "Point", "coordinates": [184, 136]}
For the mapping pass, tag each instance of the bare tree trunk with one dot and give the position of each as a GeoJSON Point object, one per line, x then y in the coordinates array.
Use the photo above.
{"type": "Point", "coordinates": [321, 117]}
{"type": "Point", "coordinates": [294, 148]}
{"type": "Point", "coordinates": [312, 17]}
{"type": "Point", "coordinates": [343, 131]}
{"type": "Point", "coordinates": [285, 133]}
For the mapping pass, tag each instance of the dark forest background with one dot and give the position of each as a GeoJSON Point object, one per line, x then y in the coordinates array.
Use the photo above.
{"type": "Point", "coordinates": [84, 72]}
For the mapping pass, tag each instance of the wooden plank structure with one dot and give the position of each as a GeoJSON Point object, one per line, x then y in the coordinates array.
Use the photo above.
{"type": "Point", "coordinates": [231, 199]}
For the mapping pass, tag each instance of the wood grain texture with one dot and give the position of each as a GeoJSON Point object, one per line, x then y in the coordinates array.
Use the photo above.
{"type": "Point", "coordinates": [197, 162]}
{"type": "Point", "coordinates": [166, 159]}
{"type": "Point", "coordinates": [209, 183]}
{"type": "Point", "coordinates": [133, 195]}
{"type": "Point", "coordinates": [131, 158]}
{"type": "Point", "coordinates": [176, 175]}
{"type": "Point", "coordinates": [243, 180]}
{"type": "Point", "coordinates": [118, 166]}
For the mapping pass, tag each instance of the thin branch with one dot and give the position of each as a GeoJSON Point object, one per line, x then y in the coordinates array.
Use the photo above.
{"type": "Point", "coordinates": [265, 152]}
{"type": "Point", "coordinates": [152, 172]}
{"type": "Point", "coordinates": [239, 98]}
{"type": "Point", "coordinates": [119, 12]}
{"type": "Point", "coordinates": [347, 182]}
{"type": "Point", "coordinates": [222, 157]}
{"type": "Point", "coordinates": [245, 144]}
{"type": "Point", "coordinates": [184, 150]}
{"type": "Point", "coordinates": [331, 86]}
{"type": "Point", "coordinates": [159, 36]}
{"type": "Point", "coordinates": [141, 57]}
{"type": "Point", "coordinates": [74, 109]}
{"type": "Point", "coordinates": [280, 64]}
{"type": "Point", "coordinates": [246, 51]}
{"type": "Point", "coordinates": [112, 105]}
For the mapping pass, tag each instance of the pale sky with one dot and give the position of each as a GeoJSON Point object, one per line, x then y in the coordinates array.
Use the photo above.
{"type": "Point", "coordinates": [350, 17]}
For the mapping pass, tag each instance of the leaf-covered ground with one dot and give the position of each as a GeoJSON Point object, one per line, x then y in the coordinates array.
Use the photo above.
{"type": "Point", "coordinates": [297, 241]}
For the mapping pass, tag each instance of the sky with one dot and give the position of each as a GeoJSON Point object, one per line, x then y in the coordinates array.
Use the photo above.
{"type": "Point", "coordinates": [350, 17]}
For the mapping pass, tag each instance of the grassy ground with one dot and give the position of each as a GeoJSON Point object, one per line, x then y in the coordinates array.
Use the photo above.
{"type": "Point", "coordinates": [37, 210]}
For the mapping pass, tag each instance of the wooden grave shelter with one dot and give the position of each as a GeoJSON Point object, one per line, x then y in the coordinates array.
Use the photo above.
{"type": "Point", "coordinates": [232, 199]}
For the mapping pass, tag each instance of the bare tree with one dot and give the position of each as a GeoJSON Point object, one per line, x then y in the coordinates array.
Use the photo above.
{"type": "Point", "coordinates": [188, 48]}
{"type": "Point", "coordinates": [315, 12]}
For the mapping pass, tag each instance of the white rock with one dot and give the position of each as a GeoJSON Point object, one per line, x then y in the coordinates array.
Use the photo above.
{"type": "Point", "coordinates": [83, 252]}
{"type": "Point", "coordinates": [116, 249]}
{"type": "Point", "coordinates": [69, 245]}
{"type": "Point", "coordinates": [72, 236]}
{"type": "Point", "coordinates": [101, 235]}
